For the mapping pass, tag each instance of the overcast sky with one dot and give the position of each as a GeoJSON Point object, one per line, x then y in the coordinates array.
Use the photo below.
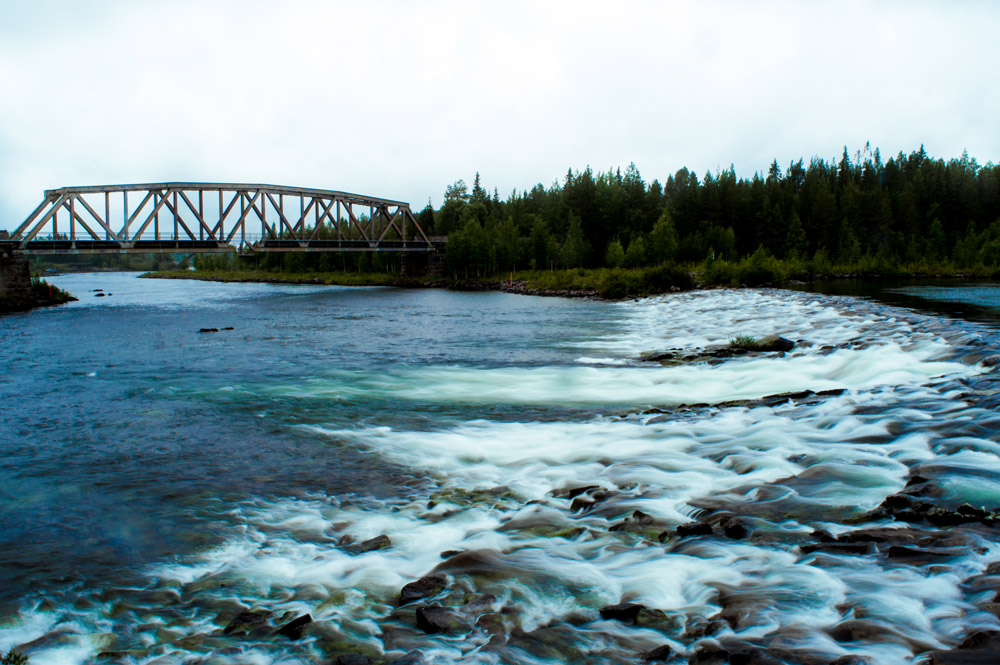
{"type": "Point", "coordinates": [399, 99]}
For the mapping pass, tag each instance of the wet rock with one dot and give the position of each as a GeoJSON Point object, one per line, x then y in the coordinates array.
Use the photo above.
{"type": "Point", "coordinates": [694, 529]}
{"type": "Point", "coordinates": [637, 521]}
{"type": "Point", "coordinates": [942, 517]}
{"type": "Point", "coordinates": [701, 627]}
{"type": "Point", "coordinates": [709, 654]}
{"type": "Point", "coordinates": [586, 501]}
{"type": "Point", "coordinates": [839, 548]}
{"type": "Point", "coordinates": [436, 619]}
{"type": "Point", "coordinates": [920, 556]}
{"type": "Point", "coordinates": [984, 639]}
{"type": "Point", "coordinates": [852, 659]}
{"type": "Point", "coordinates": [880, 536]}
{"type": "Point", "coordinates": [626, 612]}
{"type": "Point", "coordinates": [351, 659]}
{"type": "Point", "coordinates": [984, 657]}
{"type": "Point", "coordinates": [425, 587]}
{"type": "Point", "coordinates": [208, 330]}
{"type": "Point", "coordinates": [492, 623]}
{"type": "Point", "coordinates": [227, 328]}
{"type": "Point", "coordinates": [412, 658]}
{"type": "Point", "coordinates": [659, 653]}
{"type": "Point", "coordinates": [377, 543]}
{"type": "Point", "coordinates": [658, 620]}
{"type": "Point", "coordinates": [978, 649]}
{"type": "Point", "coordinates": [754, 656]}
{"type": "Point", "coordinates": [823, 536]}
{"type": "Point", "coordinates": [992, 608]}
{"type": "Point", "coordinates": [293, 629]}
{"type": "Point", "coordinates": [248, 623]}
{"type": "Point", "coordinates": [99, 295]}
{"type": "Point", "coordinates": [573, 492]}
{"type": "Point", "coordinates": [774, 343]}
{"type": "Point", "coordinates": [734, 528]}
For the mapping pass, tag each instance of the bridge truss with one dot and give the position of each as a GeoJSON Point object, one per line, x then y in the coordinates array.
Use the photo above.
{"type": "Point", "coordinates": [215, 217]}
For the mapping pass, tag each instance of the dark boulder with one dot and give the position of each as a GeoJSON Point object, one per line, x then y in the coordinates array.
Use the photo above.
{"type": "Point", "coordinates": [425, 587]}
{"type": "Point", "coordinates": [774, 343]}
{"type": "Point", "coordinates": [626, 612]}
{"type": "Point", "coordinates": [734, 528]}
{"type": "Point", "coordinates": [659, 653]}
{"type": "Point", "coordinates": [377, 543]}
{"type": "Point", "coordinates": [694, 529]}
{"type": "Point", "coordinates": [293, 629]}
{"type": "Point", "coordinates": [412, 658]}
{"type": "Point", "coordinates": [247, 623]}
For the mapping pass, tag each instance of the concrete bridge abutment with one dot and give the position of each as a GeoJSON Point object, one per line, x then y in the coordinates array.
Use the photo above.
{"type": "Point", "coordinates": [15, 277]}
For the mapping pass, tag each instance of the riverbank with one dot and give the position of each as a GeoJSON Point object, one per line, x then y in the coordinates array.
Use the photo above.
{"type": "Point", "coordinates": [605, 283]}
{"type": "Point", "coordinates": [41, 294]}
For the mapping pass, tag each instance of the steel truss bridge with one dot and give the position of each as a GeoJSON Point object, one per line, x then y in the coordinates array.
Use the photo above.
{"type": "Point", "coordinates": [174, 217]}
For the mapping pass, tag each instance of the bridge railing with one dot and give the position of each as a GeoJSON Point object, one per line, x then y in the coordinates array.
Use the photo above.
{"type": "Point", "coordinates": [216, 217]}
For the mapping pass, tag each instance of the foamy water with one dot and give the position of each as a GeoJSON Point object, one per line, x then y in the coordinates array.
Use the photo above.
{"type": "Point", "coordinates": [497, 505]}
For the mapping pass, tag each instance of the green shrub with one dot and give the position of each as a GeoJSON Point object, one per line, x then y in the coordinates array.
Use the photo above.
{"type": "Point", "coordinates": [14, 657]}
{"type": "Point", "coordinates": [760, 268]}
{"type": "Point", "coordinates": [662, 278]}
{"type": "Point", "coordinates": [614, 285]}
{"type": "Point", "coordinates": [743, 342]}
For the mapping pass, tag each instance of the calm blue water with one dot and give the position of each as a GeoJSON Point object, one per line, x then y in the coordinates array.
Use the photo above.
{"type": "Point", "coordinates": [144, 461]}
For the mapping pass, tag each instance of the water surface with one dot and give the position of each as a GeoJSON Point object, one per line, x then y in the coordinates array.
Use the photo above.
{"type": "Point", "coordinates": [157, 480]}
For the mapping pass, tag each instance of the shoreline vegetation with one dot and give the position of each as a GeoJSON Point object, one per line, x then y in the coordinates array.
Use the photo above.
{"type": "Point", "coordinates": [40, 294]}
{"type": "Point", "coordinates": [606, 283]}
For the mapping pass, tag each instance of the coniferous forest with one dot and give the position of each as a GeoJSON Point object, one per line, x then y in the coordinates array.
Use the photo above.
{"type": "Point", "coordinates": [908, 210]}
{"type": "Point", "coordinates": [862, 215]}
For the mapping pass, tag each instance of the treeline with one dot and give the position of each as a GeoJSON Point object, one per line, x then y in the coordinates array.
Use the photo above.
{"type": "Point", "coordinates": [909, 210]}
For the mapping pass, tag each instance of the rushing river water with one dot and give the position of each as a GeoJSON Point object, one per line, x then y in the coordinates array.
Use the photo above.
{"type": "Point", "coordinates": [169, 495]}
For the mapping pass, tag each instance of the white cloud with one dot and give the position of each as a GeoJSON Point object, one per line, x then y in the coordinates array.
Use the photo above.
{"type": "Point", "coordinates": [399, 99]}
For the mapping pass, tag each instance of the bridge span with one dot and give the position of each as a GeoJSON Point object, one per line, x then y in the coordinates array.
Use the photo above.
{"type": "Point", "coordinates": [190, 217]}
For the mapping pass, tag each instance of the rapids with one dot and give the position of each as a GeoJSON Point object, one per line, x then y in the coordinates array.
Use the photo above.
{"type": "Point", "coordinates": [521, 459]}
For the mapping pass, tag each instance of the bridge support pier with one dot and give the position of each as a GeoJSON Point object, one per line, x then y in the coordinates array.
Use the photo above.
{"type": "Point", "coordinates": [15, 278]}
{"type": "Point", "coordinates": [422, 264]}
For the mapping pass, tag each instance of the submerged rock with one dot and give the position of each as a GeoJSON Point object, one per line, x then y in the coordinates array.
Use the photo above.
{"type": "Point", "coordinates": [851, 659]}
{"type": "Point", "coordinates": [436, 619]}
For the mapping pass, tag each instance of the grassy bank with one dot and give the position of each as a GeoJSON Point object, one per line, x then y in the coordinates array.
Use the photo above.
{"type": "Point", "coordinates": [759, 269]}
{"type": "Point", "coordinates": [288, 277]}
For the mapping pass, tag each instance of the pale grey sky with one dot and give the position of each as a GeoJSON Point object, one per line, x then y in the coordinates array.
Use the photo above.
{"type": "Point", "coordinates": [399, 99]}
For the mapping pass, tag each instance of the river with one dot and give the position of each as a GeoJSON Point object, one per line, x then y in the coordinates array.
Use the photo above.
{"type": "Point", "coordinates": [172, 495]}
